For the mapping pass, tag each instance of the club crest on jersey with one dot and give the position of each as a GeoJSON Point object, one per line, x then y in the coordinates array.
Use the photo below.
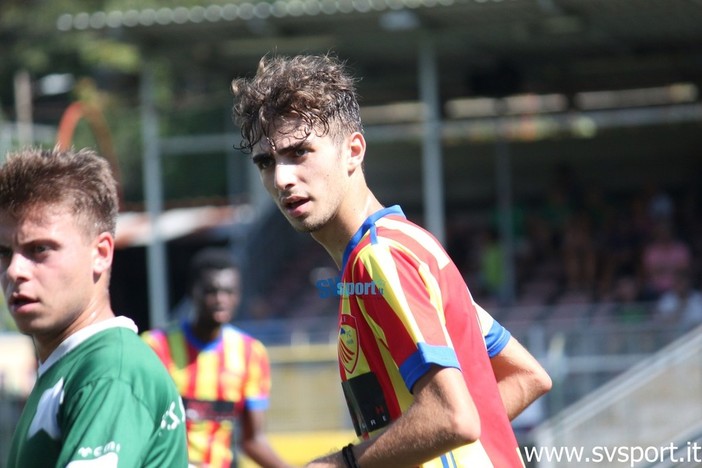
{"type": "Point", "coordinates": [348, 343]}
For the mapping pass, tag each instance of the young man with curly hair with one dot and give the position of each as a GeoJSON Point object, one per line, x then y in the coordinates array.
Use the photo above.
{"type": "Point", "coordinates": [415, 366]}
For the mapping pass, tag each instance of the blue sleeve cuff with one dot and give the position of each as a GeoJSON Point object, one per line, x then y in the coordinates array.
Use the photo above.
{"type": "Point", "coordinates": [496, 339]}
{"type": "Point", "coordinates": [426, 355]}
{"type": "Point", "coordinates": [257, 404]}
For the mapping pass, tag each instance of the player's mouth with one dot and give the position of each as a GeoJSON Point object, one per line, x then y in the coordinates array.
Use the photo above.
{"type": "Point", "coordinates": [294, 206]}
{"type": "Point", "coordinates": [19, 303]}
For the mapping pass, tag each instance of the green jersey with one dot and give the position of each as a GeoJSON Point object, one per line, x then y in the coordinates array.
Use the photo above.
{"type": "Point", "coordinates": [102, 399]}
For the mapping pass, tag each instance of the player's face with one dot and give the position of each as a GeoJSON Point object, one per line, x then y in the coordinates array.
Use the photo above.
{"type": "Point", "coordinates": [49, 269]}
{"type": "Point", "coordinates": [217, 296]}
{"type": "Point", "coordinates": [305, 175]}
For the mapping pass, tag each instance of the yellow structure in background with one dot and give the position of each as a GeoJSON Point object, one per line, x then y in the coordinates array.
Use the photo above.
{"type": "Point", "coordinates": [18, 365]}
{"type": "Point", "coordinates": [307, 416]}
{"type": "Point", "coordinates": [298, 448]}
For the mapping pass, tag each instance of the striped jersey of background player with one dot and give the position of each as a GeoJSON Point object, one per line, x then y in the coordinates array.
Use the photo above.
{"type": "Point", "coordinates": [419, 383]}
{"type": "Point", "coordinates": [222, 373]}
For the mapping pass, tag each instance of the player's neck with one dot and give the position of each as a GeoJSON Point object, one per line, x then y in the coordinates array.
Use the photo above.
{"type": "Point", "coordinates": [47, 343]}
{"type": "Point", "coordinates": [335, 236]}
{"type": "Point", "coordinates": [205, 332]}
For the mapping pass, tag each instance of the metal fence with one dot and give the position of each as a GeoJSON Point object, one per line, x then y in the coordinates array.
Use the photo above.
{"type": "Point", "coordinates": [580, 356]}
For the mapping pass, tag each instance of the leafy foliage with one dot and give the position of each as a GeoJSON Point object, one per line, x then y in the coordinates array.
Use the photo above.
{"type": "Point", "coordinates": [106, 66]}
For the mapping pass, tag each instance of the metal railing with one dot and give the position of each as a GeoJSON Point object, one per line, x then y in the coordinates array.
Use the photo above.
{"type": "Point", "coordinates": [580, 356]}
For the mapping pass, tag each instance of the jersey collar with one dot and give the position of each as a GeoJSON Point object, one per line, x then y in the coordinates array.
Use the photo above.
{"type": "Point", "coordinates": [366, 226]}
{"type": "Point", "coordinates": [196, 342]}
{"type": "Point", "coordinates": [82, 335]}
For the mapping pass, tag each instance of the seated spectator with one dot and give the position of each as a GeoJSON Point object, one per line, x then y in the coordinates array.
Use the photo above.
{"type": "Point", "coordinates": [491, 273]}
{"type": "Point", "coordinates": [621, 251]}
{"type": "Point", "coordinates": [664, 257]}
{"type": "Point", "coordinates": [682, 304]}
{"type": "Point", "coordinates": [627, 304]}
{"type": "Point", "coordinates": [579, 253]}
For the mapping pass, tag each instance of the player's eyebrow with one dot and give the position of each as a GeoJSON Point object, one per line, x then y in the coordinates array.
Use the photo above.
{"type": "Point", "coordinates": [290, 148]}
{"type": "Point", "coordinates": [259, 157]}
{"type": "Point", "coordinates": [279, 150]}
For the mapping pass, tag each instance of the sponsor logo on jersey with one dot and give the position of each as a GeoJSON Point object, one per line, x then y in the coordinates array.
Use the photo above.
{"type": "Point", "coordinates": [348, 343]}
{"type": "Point", "coordinates": [334, 287]}
{"type": "Point", "coordinates": [100, 450]}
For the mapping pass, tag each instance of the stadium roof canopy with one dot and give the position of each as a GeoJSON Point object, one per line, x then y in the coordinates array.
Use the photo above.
{"type": "Point", "coordinates": [553, 56]}
{"type": "Point", "coordinates": [483, 47]}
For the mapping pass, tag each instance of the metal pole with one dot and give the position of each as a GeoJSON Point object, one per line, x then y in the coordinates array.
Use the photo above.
{"type": "Point", "coordinates": [156, 255]}
{"type": "Point", "coordinates": [432, 158]}
{"type": "Point", "coordinates": [505, 212]}
{"type": "Point", "coordinates": [23, 108]}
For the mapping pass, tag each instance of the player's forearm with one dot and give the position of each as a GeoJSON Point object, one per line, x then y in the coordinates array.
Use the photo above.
{"type": "Point", "coordinates": [442, 418]}
{"type": "Point", "coordinates": [409, 441]}
{"type": "Point", "coordinates": [520, 378]}
{"type": "Point", "coordinates": [518, 393]}
{"type": "Point", "coordinates": [260, 451]}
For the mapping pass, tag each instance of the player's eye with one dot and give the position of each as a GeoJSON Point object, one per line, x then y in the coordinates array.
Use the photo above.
{"type": "Point", "coordinates": [5, 253]}
{"type": "Point", "coordinates": [40, 248]}
{"type": "Point", "coordinates": [263, 162]}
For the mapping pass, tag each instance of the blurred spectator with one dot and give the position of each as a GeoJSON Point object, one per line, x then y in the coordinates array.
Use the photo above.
{"type": "Point", "coordinates": [579, 253]}
{"type": "Point", "coordinates": [566, 181]}
{"type": "Point", "coordinates": [596, 207]}
{"type": "Point", "coordinates": [555, 212]}
{"type": "Point", "coordinates": [491, 274]}
{"type": "Point", "coordinates": [621, 250]}
{"type": "Point", "coordinates": [640, 217]}
{"type": "Point", "coordinates": [664, 257]}
{"type": "Point", "coordinates": [682, 304]}
{"type": "Point", "coordinates": [661, 207]}
{"type": "Point", "coordinates": [628, 305]}
{"type": "Point", "coordinates": [659, 204]}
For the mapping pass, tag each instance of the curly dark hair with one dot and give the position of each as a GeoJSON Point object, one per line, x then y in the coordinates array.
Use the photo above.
{"type": "Point", "coordinates": [33, 178]}
{"type": "Point", "coordinates": [315, 88]}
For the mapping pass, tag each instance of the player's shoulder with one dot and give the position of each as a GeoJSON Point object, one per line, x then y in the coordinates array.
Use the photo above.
{"type": "Point", "coordinates": [406, 232]}
{"type": "Point", "coordinates": [162, 333]}
{"type": "Point", "coordinates": [396, 233]}
{"type": "Point", "coordinates": [232, 333]}
{"type": "Point", "coordinates": [112, 354]}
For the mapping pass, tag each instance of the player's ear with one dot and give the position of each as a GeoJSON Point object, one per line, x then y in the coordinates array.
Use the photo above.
{"type": "Point", "coordinates": [102, 252]}
{"type": "Point", "coordinates": [357, 150]}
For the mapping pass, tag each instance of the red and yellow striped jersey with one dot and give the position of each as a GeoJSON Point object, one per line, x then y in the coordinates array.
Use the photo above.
{"type": "Point", "coordinates": [406, 307]}
{"type": "Point", "coordinates": [217, 381]}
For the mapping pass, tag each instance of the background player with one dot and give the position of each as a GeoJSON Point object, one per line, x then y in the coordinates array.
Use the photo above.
{"type": "Point", "coordinates": [222, 373]}
{"type": "Point", "coordinates": [102, 398]}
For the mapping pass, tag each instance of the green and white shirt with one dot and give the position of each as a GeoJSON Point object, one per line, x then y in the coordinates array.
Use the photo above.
{"type": "Point", "coordinates": [102, 399]}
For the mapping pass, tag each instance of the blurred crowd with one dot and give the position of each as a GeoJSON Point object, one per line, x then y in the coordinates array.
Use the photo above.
{"type": "Point", "coordinates": [639, 250]}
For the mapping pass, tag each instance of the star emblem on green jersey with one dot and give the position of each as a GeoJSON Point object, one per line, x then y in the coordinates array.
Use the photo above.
{"type": "Point", "coordinates": [47, 411]}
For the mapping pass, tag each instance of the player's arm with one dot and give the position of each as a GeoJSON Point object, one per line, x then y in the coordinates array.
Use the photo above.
{"type": "Point", "coordinates": [520, 377]}
{"type": "Point", "coordinates": [441, 418]}
{"type": "Point", "coordinates": [257, 388]}
{"type": "Point", "coordinates": [254, 442]}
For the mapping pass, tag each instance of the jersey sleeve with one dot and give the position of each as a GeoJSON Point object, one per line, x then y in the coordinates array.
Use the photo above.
{"type": "Point", "coordinates": [258, 382]}
{"type": "Point", "coordinates": [407, 313]}
{"type": "Point", "coordinates": [104, 425]}
{"type": "Point", "coordinates": [495, 335]}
